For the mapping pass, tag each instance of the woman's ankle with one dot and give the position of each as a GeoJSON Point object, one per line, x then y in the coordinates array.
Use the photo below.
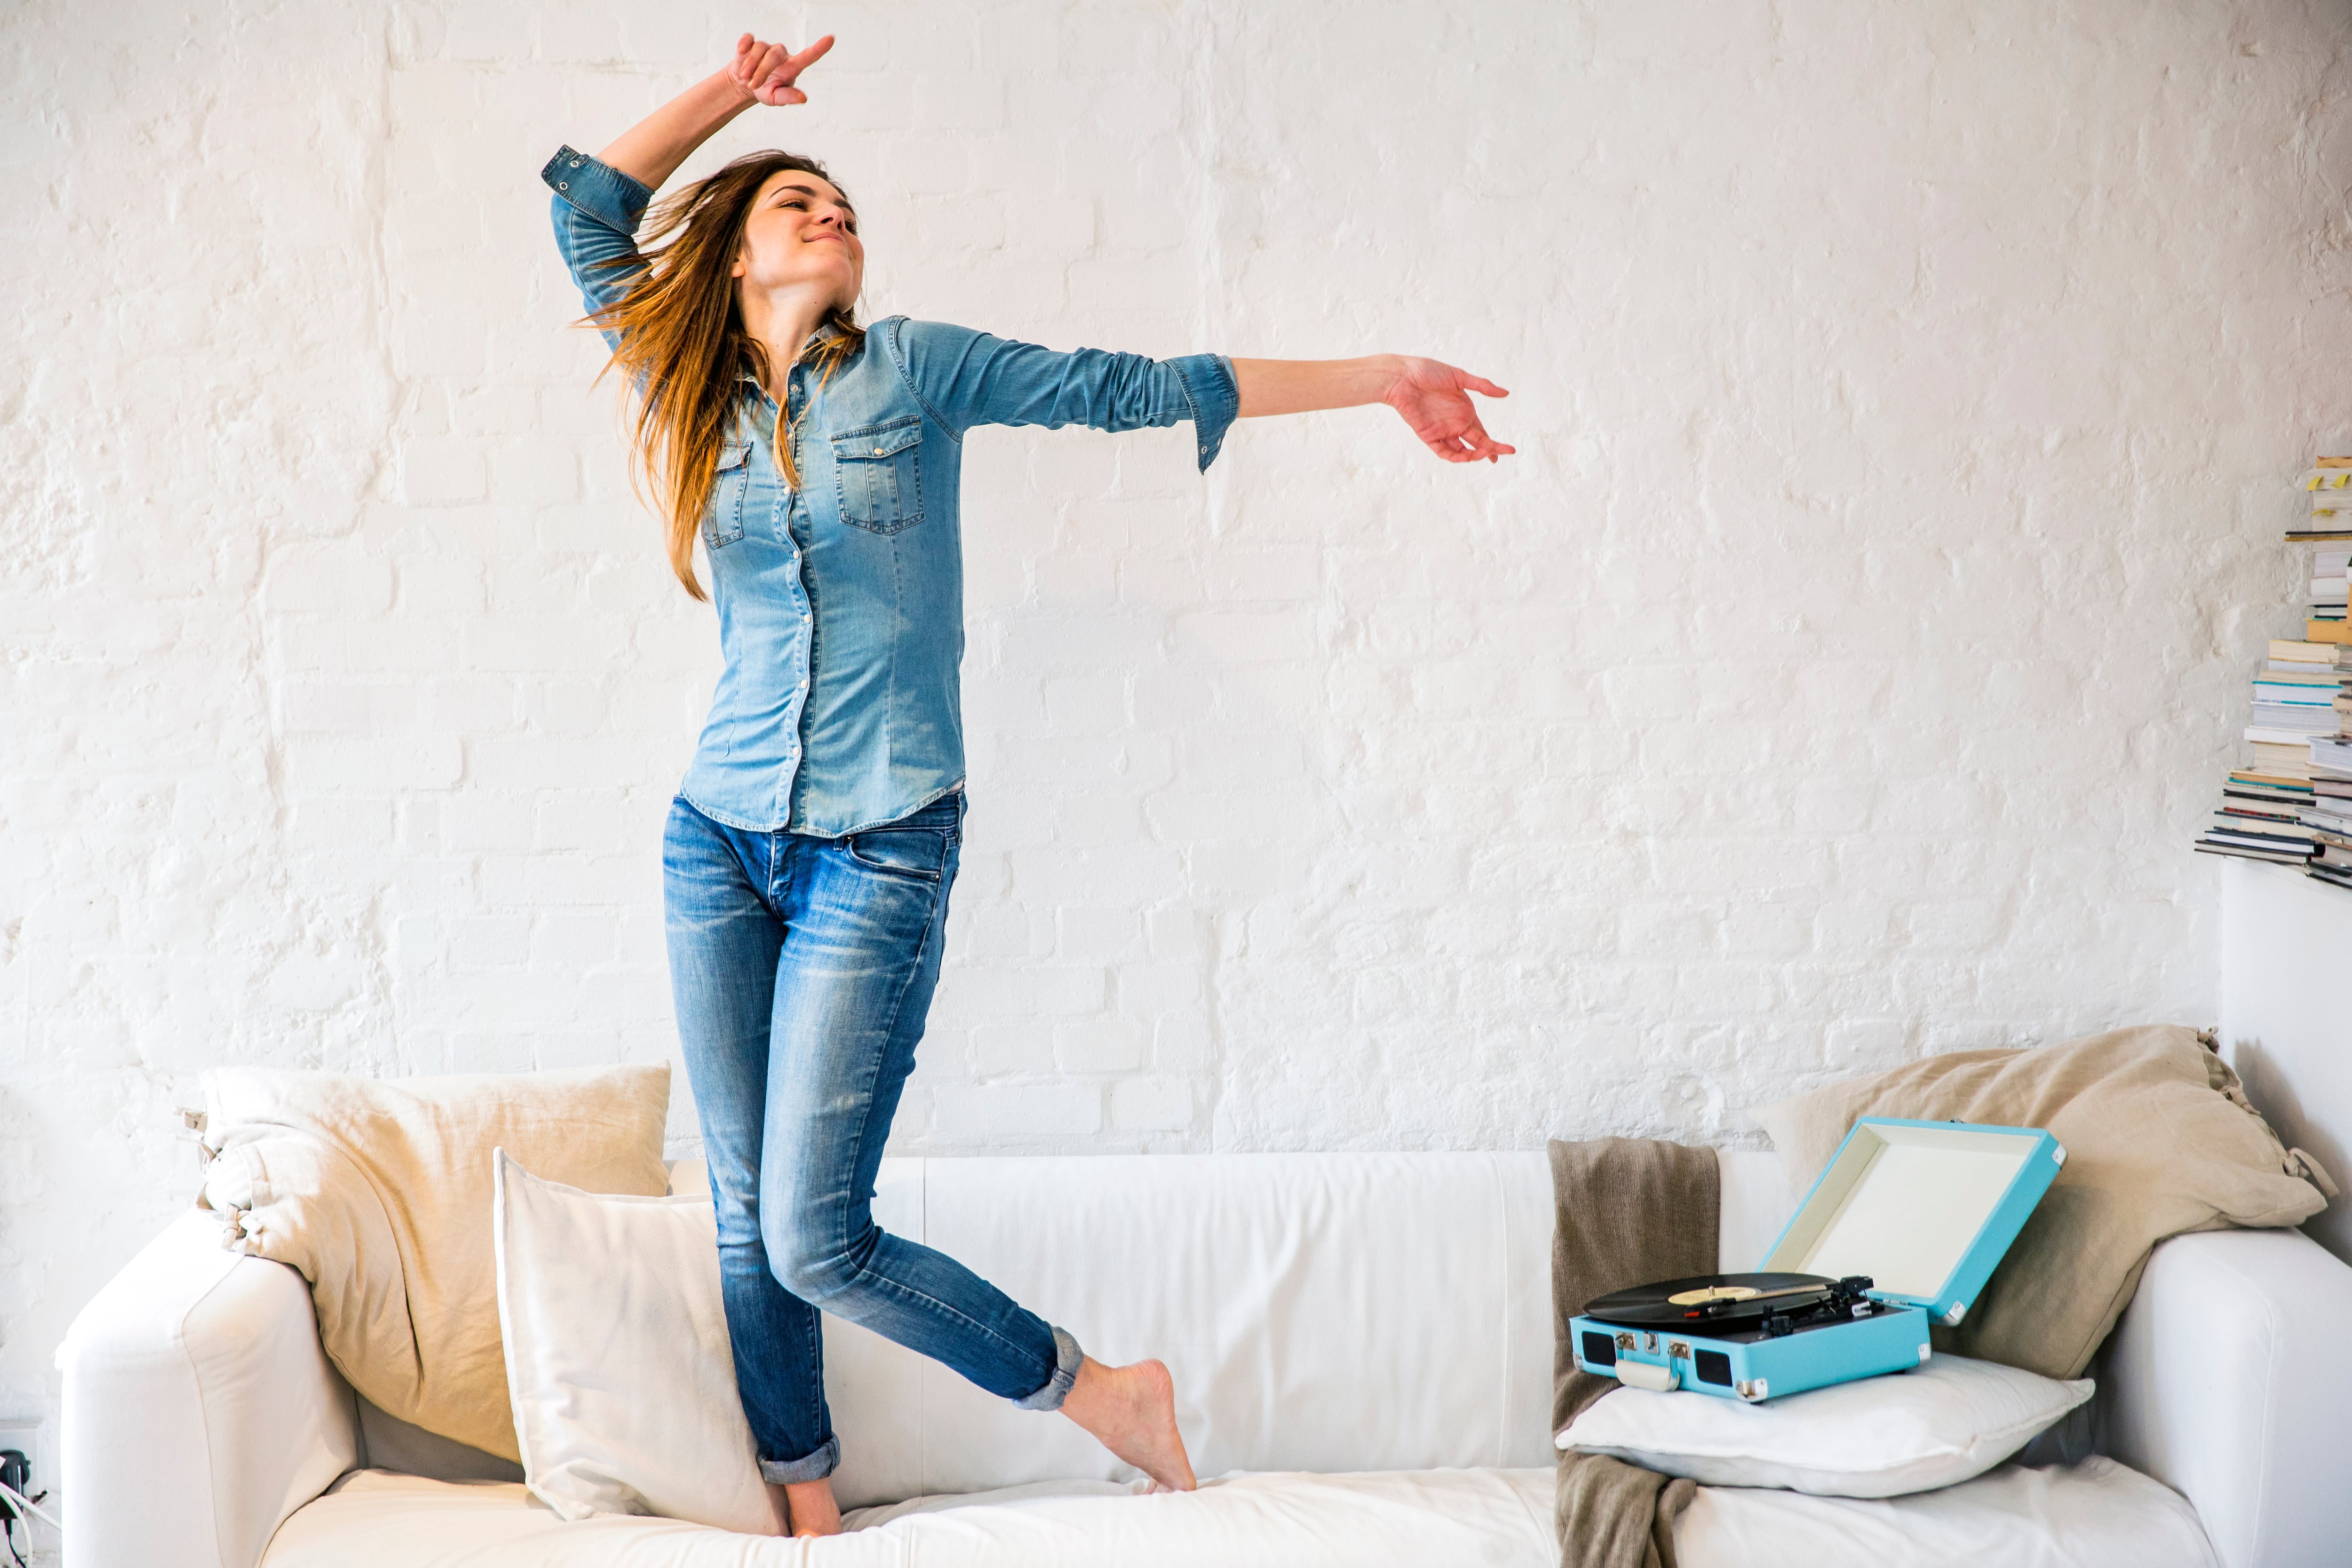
{"type": "Point", "coordinates": [807, 1508]}
{"type": "Point", "coordinates": [1131, 1411]}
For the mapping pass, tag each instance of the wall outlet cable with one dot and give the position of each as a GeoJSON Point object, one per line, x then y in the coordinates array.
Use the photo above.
{"type": "Point", "coordinates": [16, 1473]}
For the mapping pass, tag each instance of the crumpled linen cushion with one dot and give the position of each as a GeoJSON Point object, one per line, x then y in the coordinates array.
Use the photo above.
{"type": "Point", "coordinates": [378, 1190]}
{"type": "Point", "coordinates": [2160, 1140]}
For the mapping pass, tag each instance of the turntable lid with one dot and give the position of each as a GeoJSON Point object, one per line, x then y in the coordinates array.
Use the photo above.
{"type": "Point", "coordinates": [1926, 1208]}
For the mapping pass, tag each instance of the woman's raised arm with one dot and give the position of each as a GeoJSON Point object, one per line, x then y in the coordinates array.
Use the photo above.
{"type": "Point", "coordinates": [1431, 397]}
{"type": "Point", "coordinates": [599, 201]}
{"type": "Point", "coordinates": [651, 149]}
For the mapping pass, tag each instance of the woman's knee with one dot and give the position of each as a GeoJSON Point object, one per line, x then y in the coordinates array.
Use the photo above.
{"type": "Point", "coordinates": [814, 1262]}
{"type": "Point", "coordinates": [738, 1221]}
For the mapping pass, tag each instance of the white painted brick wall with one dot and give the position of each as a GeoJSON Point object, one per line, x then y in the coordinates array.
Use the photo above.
{"type": "Point", "coordinates": [1838, 675]}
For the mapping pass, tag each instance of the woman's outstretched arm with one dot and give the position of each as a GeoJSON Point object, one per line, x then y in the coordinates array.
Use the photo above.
{"type": "Point", "coordinates": [651, 149]}
{"type": "Point", "coordinates": [1434, 398]}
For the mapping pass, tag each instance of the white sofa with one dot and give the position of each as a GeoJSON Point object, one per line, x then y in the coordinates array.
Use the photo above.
{"type": "Point", "coordinates": [1362, 1350]}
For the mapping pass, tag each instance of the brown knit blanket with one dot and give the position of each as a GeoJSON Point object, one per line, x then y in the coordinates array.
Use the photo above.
{"type": "Point", "coordinates": [1627, 1212]}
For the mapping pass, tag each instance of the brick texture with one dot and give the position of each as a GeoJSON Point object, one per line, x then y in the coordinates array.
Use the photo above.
{"type": "Point", "coordinates": [1839, 674]}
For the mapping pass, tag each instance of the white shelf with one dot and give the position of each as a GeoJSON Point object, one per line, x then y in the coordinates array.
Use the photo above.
{"type": "Point", "coordinates": [2287, 1017]}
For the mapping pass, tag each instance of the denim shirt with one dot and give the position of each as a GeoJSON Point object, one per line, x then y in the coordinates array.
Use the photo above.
{"type": "Point", "coordinates": [841, 604]}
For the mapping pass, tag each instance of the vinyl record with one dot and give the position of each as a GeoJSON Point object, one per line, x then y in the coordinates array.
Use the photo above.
{"type": "Point", "coordinates": [1713, 1299]}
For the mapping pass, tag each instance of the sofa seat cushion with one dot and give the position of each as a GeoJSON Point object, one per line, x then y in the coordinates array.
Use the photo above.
{"type": "Point", "coordinates": [374, 1518]}
{"type": "Point", "coordinates": [2097, 1514]}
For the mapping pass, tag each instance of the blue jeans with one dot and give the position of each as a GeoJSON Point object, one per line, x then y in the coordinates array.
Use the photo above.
{"type": "Point", "coordinates": [802, 969]}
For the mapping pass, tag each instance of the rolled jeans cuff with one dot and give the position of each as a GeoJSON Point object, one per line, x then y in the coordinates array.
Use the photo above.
{"type": "Point", "coordinates": [1068, 1359]}
{"type": "Point", "coordinates": [813, 1467]}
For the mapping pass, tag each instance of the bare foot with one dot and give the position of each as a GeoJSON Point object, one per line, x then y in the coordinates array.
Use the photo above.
{"type": "Point", "coordinates": [806, 1507]}
{"type": "Point", "coordinates": [1131, 1411]}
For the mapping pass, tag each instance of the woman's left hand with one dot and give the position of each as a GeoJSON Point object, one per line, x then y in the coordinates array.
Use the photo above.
{"type": "Point", "coordinates": [1435, 399]}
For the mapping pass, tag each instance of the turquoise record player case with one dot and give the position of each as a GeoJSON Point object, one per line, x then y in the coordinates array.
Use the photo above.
{"type": "Point", "coordinates": [1925, 1209]}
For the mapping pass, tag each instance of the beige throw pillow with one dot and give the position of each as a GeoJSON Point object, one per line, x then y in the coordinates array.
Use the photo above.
{"type": "Point", "coordinates": [379, 1191]}
{"type": "Point", "coordinates": [2160, 1140]}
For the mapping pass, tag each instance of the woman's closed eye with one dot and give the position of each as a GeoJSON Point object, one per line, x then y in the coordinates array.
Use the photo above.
{"type": "Point", "coordinates": [847, 223]}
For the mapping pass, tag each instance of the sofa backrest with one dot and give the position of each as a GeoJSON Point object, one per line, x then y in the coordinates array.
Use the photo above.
{"type": "Point", "coordinates": [1323, 1328]}
{"type": "Point", "coordinates": [1322, 1312]}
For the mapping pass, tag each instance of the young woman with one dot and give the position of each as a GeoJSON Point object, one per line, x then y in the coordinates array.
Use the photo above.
{"type": "Point", "coordinates": [810, 851]}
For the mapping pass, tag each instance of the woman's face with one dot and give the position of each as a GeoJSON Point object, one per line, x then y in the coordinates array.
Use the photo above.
{"type": "Point", "coordinates": [802, 231]}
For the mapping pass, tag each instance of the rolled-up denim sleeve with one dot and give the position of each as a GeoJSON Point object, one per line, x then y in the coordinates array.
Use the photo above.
{"type": "Point", "coordinates": [965, 378]}
{"type": "Point", "coordinates": [596, 209]}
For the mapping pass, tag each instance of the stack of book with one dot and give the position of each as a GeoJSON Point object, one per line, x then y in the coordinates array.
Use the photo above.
{"type": "Point", "coordinates": [2261, 818]}
{"type": "Point", "coordinates": [2295, 698]}
{"type": "Point", "coordinates": [2329, 486]}
{"type": "Point", "coordinates": [2330, 530]}
{"type": "Point", "coordinates": [2263, 801]}
{"type": "Point", "coordinates": [2327, 565]}
{"type": "Point", "coordinates": [2329, 814]}
{"type": "Point", "coordinates": [2292, 800]}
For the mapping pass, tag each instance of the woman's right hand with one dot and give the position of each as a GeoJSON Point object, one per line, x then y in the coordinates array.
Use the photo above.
{"type": "Point", "coordinates": [651, 151]}
{"type": "Point", "coordinates": [765, 72]}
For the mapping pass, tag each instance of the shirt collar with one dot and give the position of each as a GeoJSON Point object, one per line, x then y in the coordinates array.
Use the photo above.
{"type": "Point", "coordinates": [825, 332]}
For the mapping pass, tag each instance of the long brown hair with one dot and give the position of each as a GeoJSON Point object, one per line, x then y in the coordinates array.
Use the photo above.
{"type": "Point", "coordinates": [684, 345]}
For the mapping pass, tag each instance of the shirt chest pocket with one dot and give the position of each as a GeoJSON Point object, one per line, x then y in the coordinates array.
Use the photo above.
{"type": "Point", "coordinates": [880, 470]}
{"type": "Point", "coordinates": [723, 522]}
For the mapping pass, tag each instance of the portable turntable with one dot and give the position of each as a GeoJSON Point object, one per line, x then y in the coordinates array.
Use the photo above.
{"type": "Point", "coordinates": [1904, 1223]}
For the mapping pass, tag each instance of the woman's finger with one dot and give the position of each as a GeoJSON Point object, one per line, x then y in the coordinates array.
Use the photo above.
{"type": "Point", "coordinates": [1480, 384]}
{"type": "Point", "coordinates": [788, 70]}
{"type": "Point", "coordinates": [1490, 448]}
{"type": "Point", "coordinates": [1481, 444]}
{"type": "Point", "coordinates": [781, 84]}
{"type": "Point", "coordinates": [758, 60]}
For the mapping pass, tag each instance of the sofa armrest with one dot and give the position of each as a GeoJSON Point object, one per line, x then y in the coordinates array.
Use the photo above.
{"type": "Point", "coordinates": [199, 1409]}
{"type": "Point", "coordinates": [2228, 1382]}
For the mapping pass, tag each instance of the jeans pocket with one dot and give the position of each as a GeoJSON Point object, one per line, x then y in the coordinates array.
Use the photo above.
{"type": "Point", "coordinates": [879, 475]}
{"type": "Point", "coordinates": [722, 522]}
{"type": "Point", "coordinates": [918, 853]}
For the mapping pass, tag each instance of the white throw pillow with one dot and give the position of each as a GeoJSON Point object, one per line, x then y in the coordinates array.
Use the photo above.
{"type": "Point", "coordinates": [617, 1358]}
{"type": "Point", "coordinates": [1950, 1420]}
